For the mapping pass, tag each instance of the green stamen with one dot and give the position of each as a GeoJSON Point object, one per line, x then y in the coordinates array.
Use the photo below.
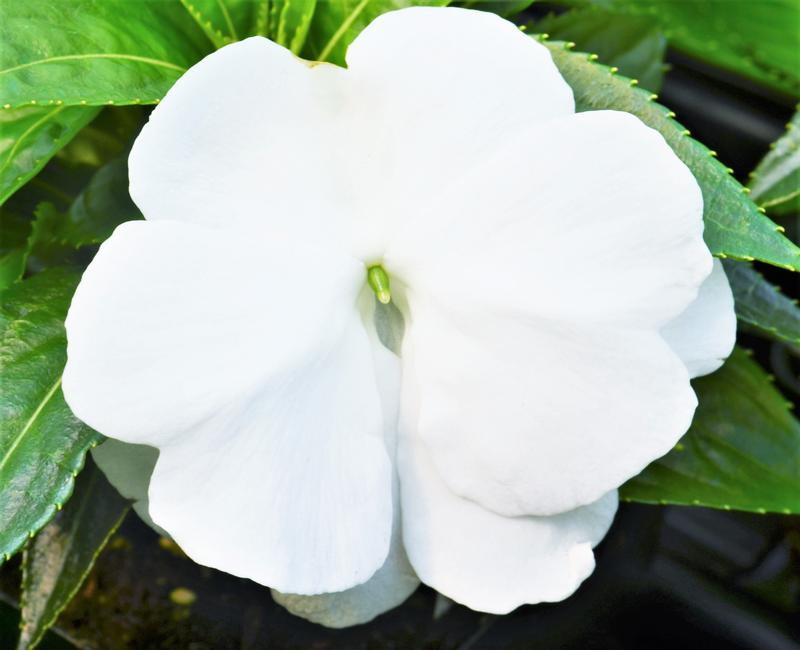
{"type": "Point", "coordinates": [378, 279]}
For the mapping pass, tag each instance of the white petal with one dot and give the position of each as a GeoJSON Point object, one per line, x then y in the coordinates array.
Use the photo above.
{"type": "Point", "coordinates": [389, 587]}
{"type": "Point", "coordinates": [447, 86]}
{"type": "Point", "coordinates": [395, 580]}
{"type": "Point", "coordinates": [590, 218]}
{"type": "Point", "coordinates": [486, 561]}
{"type": "Point", "coordinates": [704, 334]}
{"type": "Point", "coordinates": [128, 468]}
{"type": "Point", "coordinates": [536, 303]}
{"type": "Point", "coordinates": [252, 134]}
{"type": "Point", "coordinates": [248, 366]}
{"type": "Point", "coordinates": [249, 135]}
{"type": "Point", "coordinates": [532, 418]}
{"type": "Point", "coordinates": [171, 322]}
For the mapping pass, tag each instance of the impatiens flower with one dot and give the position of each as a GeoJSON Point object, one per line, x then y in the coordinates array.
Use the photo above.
{"type": "Point", "coordinates": [549, 266]}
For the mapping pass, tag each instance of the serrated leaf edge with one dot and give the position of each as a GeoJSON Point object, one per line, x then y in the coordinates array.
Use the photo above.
{"type": "Point", "coordinates": [777, 333]}
{"type": "Point", "coordinates": [61, 495]}
{"type": "Point", "coordinates": [215, 35]}
{"type": "Point", "coordinates": [25, 587]}
{"type": "Point", "coordinates": [593, 59]}
{"type": "Point", "coordinates": [789, 406]}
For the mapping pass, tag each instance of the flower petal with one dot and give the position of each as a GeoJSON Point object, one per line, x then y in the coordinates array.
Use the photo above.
{"type": "Point", "coordinates": [186, 319]}
{"type": "Point", "coordinates": [535, 312]}
{"type": "Point", "coordinates": [703, 335]}
{"type": "Point", "coordinates": [247, 365]}
{"type": "Point", "coordinates": [392, 584]}
{"type": "Point", "coordinates": [128, 468]}
{"type": "Point", "coordinates": [395, 580]}
{"type": "Point", "coordinates": [486, 561]}
{"type": "Point", "coordinates": [447, 87]}
{"type": "Point", "coordinates": [249, 135]}
{"type": "Point", "coordinates": [590, 218]}
{"type": "Point", "coordinates": [254, 135]}
{"type": "Point", "coordinates": [532, 418]}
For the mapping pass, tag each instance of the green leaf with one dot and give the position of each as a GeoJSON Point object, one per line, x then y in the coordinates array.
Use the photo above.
{"type": "Point", "coordinates": [734, 226]}
{"type": "Point", "coordinates": [108, 136]}
{"type": "Point", "coordinates": [634, 44]}
{"type": "Point", "coordinates": [227, 21]}
{"type": "Point", "coordinates": [742, 451]}
{"type": "Point", "coordinates": [45, 240]}
{"type": "Point", "coordinates": [53, 237]}
{"type": "Point", "coordinates": [92, 202]}
{"type": "Point", "coordinates": [94, 52]}
{"type": "Point", "coordinates": [757, 39]}
{"type": "Point", "coordinates": [13, 247]}
{"type": "Point", "coordinates": [761, 304]}
{"type": "Point", "coordinates": [338, 22]}
{"type": "Point", "coordinates": [42, 445]}
{"type": "Point", "coordinates": [58, 560]}
{"type": "Point", "coordinates": [294, 21]}
{"type": "Point", "coordinates": [98, 209]}
{"type": "Point", "coordinates": [775, 182]}
{"type": "Point", "coordinates": [505, 8]}
{"type": "Point", "coordinates": [31, 136]}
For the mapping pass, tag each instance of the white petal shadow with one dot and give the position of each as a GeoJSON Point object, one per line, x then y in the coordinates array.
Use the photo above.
{"type": "Point", "coordinates": [703, 334]}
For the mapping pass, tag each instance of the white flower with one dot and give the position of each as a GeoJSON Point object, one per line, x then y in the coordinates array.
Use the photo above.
{"type": "Point", "coordinates": [547, 265]}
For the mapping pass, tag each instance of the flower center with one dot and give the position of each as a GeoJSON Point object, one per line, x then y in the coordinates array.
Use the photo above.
{"type": "Point", "coordinates": [378, 279]}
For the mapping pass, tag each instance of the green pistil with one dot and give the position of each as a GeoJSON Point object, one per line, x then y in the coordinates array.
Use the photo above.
{"type": "Point", "coordinates": [379, 281]}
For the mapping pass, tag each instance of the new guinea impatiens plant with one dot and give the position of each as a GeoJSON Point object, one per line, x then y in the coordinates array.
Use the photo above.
{"type": "Point", "coordinates": [457, 181]}
{"type": "Point", "coordinates": [416, 298]}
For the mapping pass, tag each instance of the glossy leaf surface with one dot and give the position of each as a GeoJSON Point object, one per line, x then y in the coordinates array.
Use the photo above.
{"type": "Point", "coordinates": [31, 136]}
{"type": "Point", "coordinates": [761, 304]}
{"type": "Point", "coordinates": [742, 451]}
{"type": "Point", "coordinates": [634, 44]}
{"type": "Point", "coordinates": [758, 39]}
{"type": "Point", "coordinates": [775, 182]}
{"type": "Point", "coordinates": [94, 52]}
{"type": "Point", "coordinates": [734, 227]}
{"type": "Point", "coordinates": [42, 445]}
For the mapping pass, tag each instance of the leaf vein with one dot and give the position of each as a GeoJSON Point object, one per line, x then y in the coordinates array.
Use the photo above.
{"type": "Point", "coordinates": [346, 24]}
{"type": "Point", "coordinates": [26, 133]}
{"type": "Point", "coordinates": [54, 388]}
{"type": "Point", "coordinates": [95, 55]}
